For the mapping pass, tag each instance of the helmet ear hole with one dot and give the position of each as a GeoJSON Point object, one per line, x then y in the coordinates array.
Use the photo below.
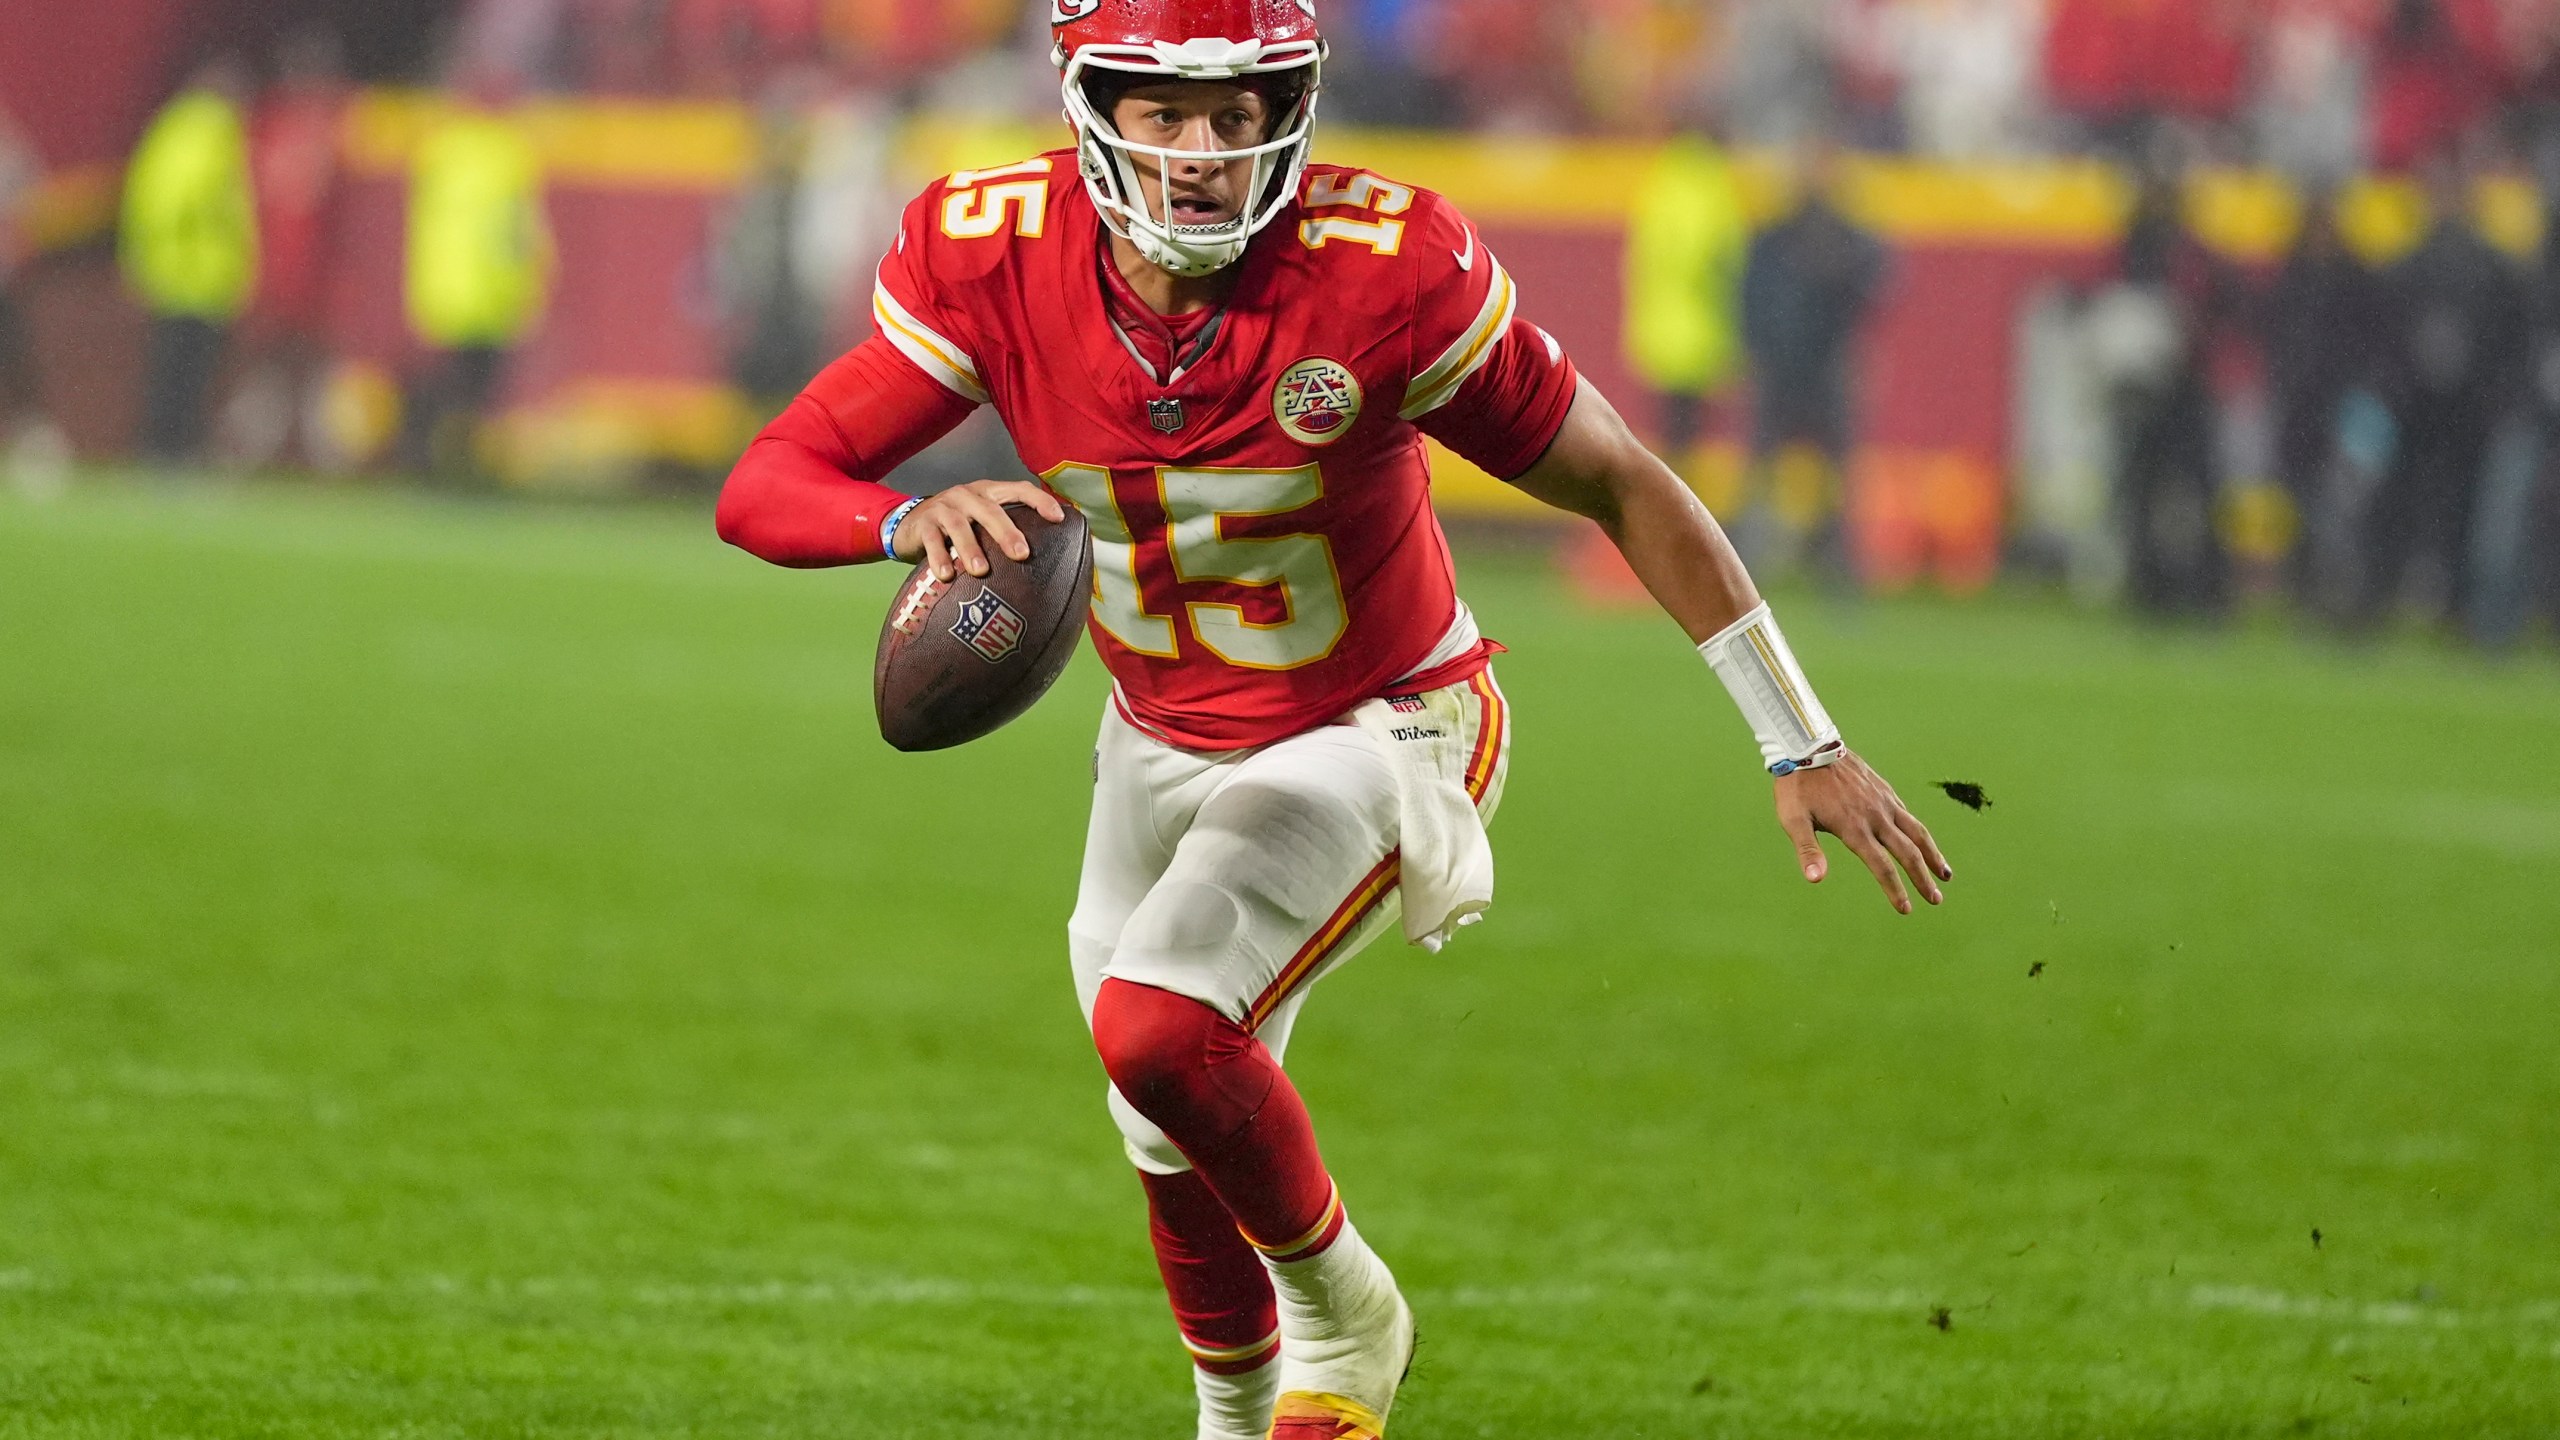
{"type": "Point", "coordinates": [1280, 102]}
{"type": "Point", "coordinates": [1282, 96]}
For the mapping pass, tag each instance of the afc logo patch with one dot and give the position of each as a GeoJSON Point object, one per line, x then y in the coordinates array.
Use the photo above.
{"type": "Point", "coordinates": [988, 626]}
{"type": "Point", "coordinates": [1317, 401]}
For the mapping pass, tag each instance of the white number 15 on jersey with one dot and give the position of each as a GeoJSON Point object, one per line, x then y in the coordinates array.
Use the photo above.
{"type": "Point", "coordinates": [1197, 505]}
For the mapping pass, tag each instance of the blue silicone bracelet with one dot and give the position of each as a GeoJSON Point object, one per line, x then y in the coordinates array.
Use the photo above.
{"type": "Point", "coordinates": [889, 527]}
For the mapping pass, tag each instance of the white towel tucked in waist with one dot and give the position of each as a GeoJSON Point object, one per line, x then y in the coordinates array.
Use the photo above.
{"type": "Point", "coordinates": [1447, 861]}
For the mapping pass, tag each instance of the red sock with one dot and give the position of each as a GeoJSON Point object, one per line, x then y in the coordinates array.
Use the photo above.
{"type": "Point", "coordinates": [1220, 1097]}
{"type": "Point", "coordinates": [1221, 1294]}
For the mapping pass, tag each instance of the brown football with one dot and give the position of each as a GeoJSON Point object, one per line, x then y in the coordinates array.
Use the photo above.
{"type": "Point", "coordinates": [961, 659]}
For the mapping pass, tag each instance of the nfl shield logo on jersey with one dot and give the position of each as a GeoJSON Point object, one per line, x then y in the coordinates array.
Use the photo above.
{"type": "Point", "coordinates": [988, 626]}
{"type": "Point", "coordinates": [1317, 401]}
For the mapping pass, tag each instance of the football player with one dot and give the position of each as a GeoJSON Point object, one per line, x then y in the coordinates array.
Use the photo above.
{"type": "Point", "coordinates": [1228, 358]}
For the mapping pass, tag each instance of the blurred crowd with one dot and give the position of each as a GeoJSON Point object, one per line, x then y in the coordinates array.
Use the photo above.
{"type": "Point", "coordinates": [2367, 432]}
{"type": "Point", "coordinates": [2319, 88]}
{"type": "Point", "coordinates": [227, 236]}
{"type": "Point", "coordinates": [2402, 408]}
{"type": "Point", "coordinates": [2370, 434]}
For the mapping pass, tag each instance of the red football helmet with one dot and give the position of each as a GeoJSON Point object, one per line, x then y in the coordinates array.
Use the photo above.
{"type": "Point", "coordinates": [1103, 43]}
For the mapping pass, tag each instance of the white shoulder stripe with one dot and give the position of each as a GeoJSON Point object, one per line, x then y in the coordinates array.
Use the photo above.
{"type": "Point", "coordinates": [933, 354]}
{"type": "Point", "coordinates": [1439, 385]}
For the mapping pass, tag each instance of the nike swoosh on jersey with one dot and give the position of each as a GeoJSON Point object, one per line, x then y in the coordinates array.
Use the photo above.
{"type": "Point", "coordinates": [1467, 257]}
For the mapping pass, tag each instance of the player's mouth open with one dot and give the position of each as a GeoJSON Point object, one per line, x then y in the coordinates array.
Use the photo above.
{"type": "Point", "coordinates": [1199, 210]}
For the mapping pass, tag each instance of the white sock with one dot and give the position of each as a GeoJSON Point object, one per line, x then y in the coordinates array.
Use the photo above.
{"type": "Point", "coordinates": [1237, 1407]}
{"type": "Point", "coordinates": [1342, 1291]}
{"type": "Point", "coordinates": [1345, 1329]}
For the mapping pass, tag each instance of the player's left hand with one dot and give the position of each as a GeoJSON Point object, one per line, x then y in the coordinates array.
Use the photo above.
{"type": "Point", "coordinates": [1850, 800]}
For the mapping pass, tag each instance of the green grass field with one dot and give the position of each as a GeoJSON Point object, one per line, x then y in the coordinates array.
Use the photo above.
{"type": "Point", "coordinates": [471, 970]}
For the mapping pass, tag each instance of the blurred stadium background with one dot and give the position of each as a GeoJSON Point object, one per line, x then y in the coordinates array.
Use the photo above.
{"type": "Point", "coordinates": [2181, 300]}
{"type": "Point", "coordinates": [464, 966]}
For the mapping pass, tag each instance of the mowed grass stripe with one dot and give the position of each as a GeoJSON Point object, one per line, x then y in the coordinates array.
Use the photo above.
{"type": "Point", "coordinates": [471, 968]}
{"type": "Point", "coordinates": [2536, 1323]}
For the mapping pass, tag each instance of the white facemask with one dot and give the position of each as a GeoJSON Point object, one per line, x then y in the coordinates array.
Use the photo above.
{"type": "Point", "coordinates": [1109, 162]}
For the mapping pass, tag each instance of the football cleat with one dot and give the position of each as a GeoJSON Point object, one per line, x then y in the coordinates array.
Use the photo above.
{"type": "Point", "coordinates": [1301, 1416]}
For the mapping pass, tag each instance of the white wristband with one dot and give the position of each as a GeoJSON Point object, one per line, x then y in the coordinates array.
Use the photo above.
{"type": "Point", "coordinates": [889, 527]}
{"type": "Point", "coordinates": [1753, 661]}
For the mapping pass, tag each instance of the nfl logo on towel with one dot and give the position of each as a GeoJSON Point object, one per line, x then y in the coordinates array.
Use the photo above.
{"type": "Point", "coordinates": [989, 626]}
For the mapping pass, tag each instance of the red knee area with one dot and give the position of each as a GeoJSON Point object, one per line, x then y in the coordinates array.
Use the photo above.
{"type": "Point", "coordinates": [1216, 1093]}
{"type": "Point", "coordinates": [1194, 1072]}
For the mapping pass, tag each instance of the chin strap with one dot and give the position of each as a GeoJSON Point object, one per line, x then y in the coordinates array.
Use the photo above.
{"type": "Point", "coordinates": [1752, 659]}
{"type": "Point", "coordinates": [1161, 243]}
{"type": "Point", "coordinates": [1170, 257]}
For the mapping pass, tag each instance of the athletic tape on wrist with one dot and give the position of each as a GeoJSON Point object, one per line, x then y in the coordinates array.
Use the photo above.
{"type": "Point", "coordinates": [889, 527]}
{"type": "Point", "coordinates": [1761, 673]}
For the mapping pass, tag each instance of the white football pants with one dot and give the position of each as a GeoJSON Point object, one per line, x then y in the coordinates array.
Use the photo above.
{"type": "Point", "coordinates": [1241, 878]}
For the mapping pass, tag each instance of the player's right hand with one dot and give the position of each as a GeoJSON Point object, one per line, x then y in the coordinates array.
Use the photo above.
{"type": "Point", "coordinates": [943, 531]}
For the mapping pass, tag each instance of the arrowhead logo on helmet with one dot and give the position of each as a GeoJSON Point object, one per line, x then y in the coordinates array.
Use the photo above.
{"type": "Point", "coordinates": [1106, 45]}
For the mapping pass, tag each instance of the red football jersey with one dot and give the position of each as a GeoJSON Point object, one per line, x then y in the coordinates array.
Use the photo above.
{"type": "Point", "coordinates": [1265, 553]}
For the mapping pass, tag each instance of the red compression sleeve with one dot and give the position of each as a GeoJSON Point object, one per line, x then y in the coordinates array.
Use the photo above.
{"type": "Point", "coordinates": [1226, 1104]}
{"type": "Point", "coordinates": [807, 493]}
{"type": "Point", "coordinates": [1508, 413]}
{"type": "Point", "coordinates": [1221, 1294]}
